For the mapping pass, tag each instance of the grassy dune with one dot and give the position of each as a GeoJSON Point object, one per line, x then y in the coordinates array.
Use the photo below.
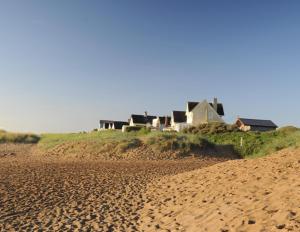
{"type": "Point", "coordinates": [255, 144]}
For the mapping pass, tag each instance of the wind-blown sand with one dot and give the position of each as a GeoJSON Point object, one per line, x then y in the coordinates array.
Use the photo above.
{"type": "Point", "coordinates": [242, 195]}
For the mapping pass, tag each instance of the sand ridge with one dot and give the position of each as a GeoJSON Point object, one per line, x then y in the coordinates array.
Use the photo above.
{"type": "Point", "coordinates": [241, 195]}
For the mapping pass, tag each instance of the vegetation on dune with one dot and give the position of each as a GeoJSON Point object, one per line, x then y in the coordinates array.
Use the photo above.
{"type": "Point", "coordinates": [211, 128]}
{"type": "Point", "coordinates": [256, 144]}
{"type": "Point", "coordinates": [180, 142]}
{"type": "Point", "coordinates": [109, 136]}
{"type": "Point", "coordinates": [247, 144]}
{"type": "Point", "coordinates": [9, 137]}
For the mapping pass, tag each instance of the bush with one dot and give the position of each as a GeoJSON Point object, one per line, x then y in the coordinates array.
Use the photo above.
{"type": "Point", "coordinates": [125, 145]}
{"type": "Point", "coordinates": [288, 129]}
{"type": "Point", "coordinates": [182, 143]}
{"type": "Point", "coordinates": [211, 128]}
{"type": "Point", "coordinates": [7, 137]}
{"type": "Point", "coordinates": [134, 128]}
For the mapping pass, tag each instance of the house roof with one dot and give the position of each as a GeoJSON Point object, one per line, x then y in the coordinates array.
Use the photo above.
{"type": "Point", "coordinates": [179, 116]}
{"type": "Point", "coordinates": [142, 119]}
{"type": "Point", "coordinates": [192, 105]}
{"type": "Point", "coordinates": [220, 109]}
{"type": "Point", "coordinates": [120, 124]}
{"type": "Point", "coordinates": [257, 122]}
{"type": "Point", "coordinates": [166, 120]}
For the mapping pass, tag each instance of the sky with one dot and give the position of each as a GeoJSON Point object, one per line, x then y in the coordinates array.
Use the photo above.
{"type": "Point", "coordinates": [66, 64]}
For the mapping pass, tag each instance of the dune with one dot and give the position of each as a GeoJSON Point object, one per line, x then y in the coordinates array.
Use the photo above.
{"type": "Point", "coordinates": [239, 195]}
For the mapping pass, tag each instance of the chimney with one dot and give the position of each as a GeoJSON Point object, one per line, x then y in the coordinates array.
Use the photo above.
{"type": "Point", "coordinates": [146, 114]}
{"type": "Point", "coordinates": [215, 104]}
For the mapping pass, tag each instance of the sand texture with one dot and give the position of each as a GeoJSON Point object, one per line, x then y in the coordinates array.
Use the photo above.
{"type": "Point", "coordinates": [47, 195]}
{"type": "Point", "coordinates": [241, 195]}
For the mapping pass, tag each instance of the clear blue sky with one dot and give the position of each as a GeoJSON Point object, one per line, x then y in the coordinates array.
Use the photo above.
{"type": "Point", "coordinates": [65, 64]}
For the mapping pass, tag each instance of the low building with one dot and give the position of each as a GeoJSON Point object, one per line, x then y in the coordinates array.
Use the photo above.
{"type": "Point", "coordinates": [105, 124]}
{"type": "Point", "coordinates": [111, 125]}
{"type": "Point", "coordinates": [178, 120]}
{"type": "Point", "coordinates": [141, 120]}
{"type": "Point", "coordinates": [118, 125]}
{"type": "Point", "coordinates": [204, 112]}
{"type": "Point", "coordinates": [247, 124]}
{"type": "Point", "coordinates": [162, 122]}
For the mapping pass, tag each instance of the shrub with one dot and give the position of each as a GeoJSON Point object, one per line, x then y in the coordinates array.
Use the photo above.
{"type": "Point", "coordinates": [134, 128]}
{"type": "Point", "coordinates": [128, 144]}
{"type": "Point", "coordinates": [211, 128]}
{"type": "Point", "coordinates": [7, 137]}
{"type": "Point", "coordinates": [288, 129]}
{"type": "Point", "coordinates": [182, 143]}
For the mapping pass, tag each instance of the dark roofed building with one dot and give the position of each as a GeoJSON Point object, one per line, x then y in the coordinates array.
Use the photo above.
{"type": "Point", "coordinates": [117, 125]}
{"type": "Point", "coordinates": [247, 124]}
{"type": "Point", "coordinates": [179, 116]}
{"type": "Point", "coordinates": [178, 121]}
{"type": "Point", "coordinates": [105, 124]}
{"type": "Point", "coordinates": [161, 122]}
{"type": "Point", "coordinates": [165, 120]}
{"type": "Point", "coordinates": [110, 124]}
{"type": "Point", "coordinates": [141, 120]}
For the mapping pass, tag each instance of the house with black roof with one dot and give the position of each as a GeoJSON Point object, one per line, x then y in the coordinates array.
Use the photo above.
{"type": "Point", "coordinates": [111, 125]}
{"type": "Point", "coordinates": [178, 120]}
{"type": "Point", "coordinates": [204, 112]}
{"type": "Point", "coordinates": [161, 122]}
{"type": "Point", "coordinates": [247, 124]}
{"type": "Point", "coordinates": [141, 120]}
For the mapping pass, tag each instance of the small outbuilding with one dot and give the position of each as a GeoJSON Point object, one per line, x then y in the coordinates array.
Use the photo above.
{"type": "Point", "coordinates": [247, 124]}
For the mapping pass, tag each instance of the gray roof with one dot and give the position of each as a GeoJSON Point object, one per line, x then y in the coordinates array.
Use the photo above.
{"type": "Point", "coordinates": [258, 122]}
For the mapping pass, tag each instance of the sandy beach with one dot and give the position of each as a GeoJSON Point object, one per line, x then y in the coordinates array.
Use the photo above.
{"type": "Point", "coordinates": [57, 195]}
{"type": "Point", "coordinates": [39, 194]}
{"type": "Point", "coordinates": [241, 195]}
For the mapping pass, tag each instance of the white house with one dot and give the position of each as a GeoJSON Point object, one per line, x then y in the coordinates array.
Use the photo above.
{"type": "Point", "coordinates": [141, 120]}
{"type": "Point", "coordinates": [111, 125]}
{"type": "Point", "coordinates": [161, 123]}
{"type": "Point", "coordinates": [178, 120]}
{"type": "Point", "coordinates": [204, 112]}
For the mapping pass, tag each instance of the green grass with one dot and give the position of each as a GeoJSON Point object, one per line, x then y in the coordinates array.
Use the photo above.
{"type": "Point", "coordinates": [183, 143]}
{"type": "Point", "coordinates": [8, 137]}
{"type": "Point", "coordinates": [255, 144]}
{"type": "Point", "coordinates": [51, 140]}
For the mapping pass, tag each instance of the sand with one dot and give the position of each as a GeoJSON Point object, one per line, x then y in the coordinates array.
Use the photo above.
{"type": "Point", "coordinates": [241, 195]}
{"type": "Point", "coordinates": [40, 194]}
{"type": "Point", "coordinates": [81, 195]}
